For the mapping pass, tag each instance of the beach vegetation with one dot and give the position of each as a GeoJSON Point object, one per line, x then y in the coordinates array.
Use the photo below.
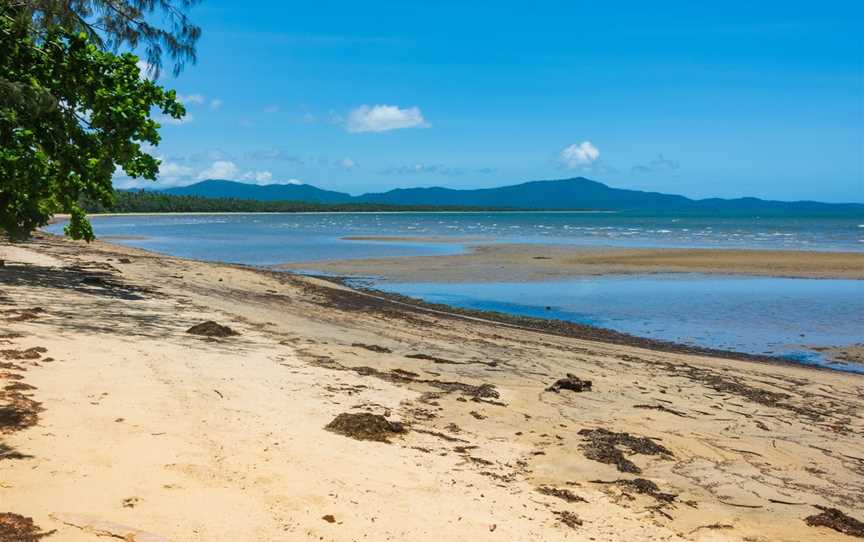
{"type": "Point", "coordinates": [144, 201]}
{"type": "Point", "coordinates": [74, 110]}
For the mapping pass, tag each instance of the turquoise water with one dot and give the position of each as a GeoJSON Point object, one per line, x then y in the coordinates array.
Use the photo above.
{"type": "Point", "coordinates": [770, 316]}
{"type": "Point", "coordinates": [756, 315]}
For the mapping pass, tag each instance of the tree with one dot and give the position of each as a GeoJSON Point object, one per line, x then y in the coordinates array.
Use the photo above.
{"type": "Point", "coordinates": [72, 111]}
{"type": "Point", "coordinates": [71, 114]}
{"type": "Point", "coordinates": [113, 24]}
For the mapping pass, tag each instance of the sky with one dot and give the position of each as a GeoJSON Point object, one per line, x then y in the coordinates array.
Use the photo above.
{"type": "Point", "coordinates": [704, 99]}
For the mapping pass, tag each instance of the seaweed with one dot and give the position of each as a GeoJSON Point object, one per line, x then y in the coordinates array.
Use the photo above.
{"type": "Point", "coordinates": [568, 518]}
{"type": "Point", "coordinates": [365, 426]}
{"type": "Point", "coordinates": [837, 520]}
{"type": "Point", "coordinates": [211, 329]}
{"type": "Point", "coordinates": [373, 348]}
{"type": "Point", "coordinates": [572, 383]}
{"type": "Point", "coordinates": [17, 528]}
{"type": "Point", "coordinates": [563, 494]}
{"type": "Point", "coordinates": [603, 445]}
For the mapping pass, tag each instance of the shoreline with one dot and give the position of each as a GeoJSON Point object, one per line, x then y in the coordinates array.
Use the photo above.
{"type": "Point", "coordinates": [574, 330]}
{"type": "Point", "coordinates": [138, 429]}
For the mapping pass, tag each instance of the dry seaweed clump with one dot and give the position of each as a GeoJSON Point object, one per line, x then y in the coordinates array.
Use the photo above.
{"type": "Point", "coordinates": [23, 315]}
{"type": "Point", "coordinates": [373, 348]}
{"type": "Point", "coordinates": [563, 494]}
{"type": "Point", "coordinates": [28, 354]}
{"type": "Point", "coordinates": [17, 412]}
{"type": "Point", "coordinates": [365, 426]}
{"type": "Point", "coordinates": [568, 518]}
{"type": "Point", "coordinates": [837, 520]}
{"type": "Point", "coordinates": [572, 383]}
{"type": "Point", "coordinates": [647, 487]}
{"type": "Point", "coordinates": [17, 528]}
{"type": "Point", "coordinates": [211, 329]}
{"type": "Point", "coordinates": [605, 446]}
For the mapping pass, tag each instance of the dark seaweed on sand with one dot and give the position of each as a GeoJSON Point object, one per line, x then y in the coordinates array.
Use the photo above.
{"type": "Point", "coordinates": [365, 426]}
{"type": "Point", "coordinates": [837, 520]}
{"type": "Point", "coordinates": [563, 494]}
{"type": "Point", "coordinates": [211, 329]}
{"type": "Point", "coordinates": [605, 446]}
{"type": "Point", "coordinates": [17, 528]}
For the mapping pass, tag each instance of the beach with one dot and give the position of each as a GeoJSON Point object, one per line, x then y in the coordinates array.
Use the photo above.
{"type": "Point", "coordinates": [117, 422]}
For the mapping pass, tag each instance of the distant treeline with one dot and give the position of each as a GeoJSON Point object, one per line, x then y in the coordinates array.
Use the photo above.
{"type": "Point", "coordinates": [126, 201]}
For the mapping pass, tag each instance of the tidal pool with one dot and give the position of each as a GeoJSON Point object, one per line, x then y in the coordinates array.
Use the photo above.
{"type": "Point", "coordinates": [773, 316]}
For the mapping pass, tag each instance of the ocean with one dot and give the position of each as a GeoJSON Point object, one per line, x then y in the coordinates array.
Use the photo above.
{"type": "Point", "coordinates": [757, 315]}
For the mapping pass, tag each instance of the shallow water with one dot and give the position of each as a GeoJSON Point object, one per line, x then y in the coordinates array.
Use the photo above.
{"type": "Point", "coordinates": [265, 239]}
{"type": "Point", "coordinates": [757, 315]}
{"type": "Point", "coordinates": [771, 316]}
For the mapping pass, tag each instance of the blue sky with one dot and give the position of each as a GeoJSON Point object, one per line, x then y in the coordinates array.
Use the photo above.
{"type": "Point", "coordinates": [699, 98]}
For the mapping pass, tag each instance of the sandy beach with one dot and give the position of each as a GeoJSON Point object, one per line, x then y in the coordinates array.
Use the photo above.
{"type": "Point", "coordinates": [323, 413]}
{"type": "Point", "coordinates": [532, 262]}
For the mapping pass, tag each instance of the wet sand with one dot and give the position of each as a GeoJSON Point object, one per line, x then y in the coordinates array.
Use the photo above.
{"type": "Point", "coordinates": [521, 262]}
{"type": "Point", "coordinates": [116, 422]}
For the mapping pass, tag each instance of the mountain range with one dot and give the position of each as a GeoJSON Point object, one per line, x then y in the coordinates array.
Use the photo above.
{"type": "Point", "coordinates": [562, 194]}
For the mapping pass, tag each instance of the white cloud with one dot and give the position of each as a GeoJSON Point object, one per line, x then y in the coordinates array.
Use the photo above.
{"type": "Point", "coordinates": [165, 119]}
{"type": "Point", "coordinates": [196, 99]}
{"type": "Point", "coordinates": [291, 181]}
{"type": "Point", "coordinates": [215, 103]}
{"type": "Point", "coordinates": [347, 163]}
{"type": "Point", "coordinates": [170, 174]}
{"type": "Point", "coordinates": [260, 177]}
{"type": "Point", "coordinates": [382, 118]}
{"type": "Point", "coordinates": [271, 109]}
{"type": "Point", "coordinates": [173, 170]}
{"type": "Point", "coordinates": [579, 155]}
{"type": "Point", "coordinates": [220, 169]}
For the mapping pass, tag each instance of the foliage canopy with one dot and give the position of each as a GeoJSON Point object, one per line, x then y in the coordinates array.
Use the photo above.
{"type": "Point", "coordinates": [157, 26]}
{"type": "Point", "coordinates": [71, 114]}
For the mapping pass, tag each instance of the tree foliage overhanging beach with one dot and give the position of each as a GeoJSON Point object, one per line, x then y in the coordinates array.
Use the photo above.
{"type": "Point", "coordinates": [74, 109]}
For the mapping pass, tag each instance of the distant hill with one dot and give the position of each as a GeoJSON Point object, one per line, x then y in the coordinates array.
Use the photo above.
{"type": "Point", "coordinates": [269, 192]}
{"type": "Point", "coordinates": [576, 193]}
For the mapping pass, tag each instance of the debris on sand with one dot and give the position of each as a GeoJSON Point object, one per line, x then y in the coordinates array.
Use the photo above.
{"type": "Point", "coordinates": [572, 382]}
{"type": "Point", "coordinates": [644, 487]}
{"type": "Point", "coordinates": [329, 518]}
{"type": "Point", "coordinates": [481, 392]}
{"type": "Point", "coordinates": [663, 408]}
{"type": "Point", "coordinates": [365, 426]}
{"type": "Point", "coordinates": [568, 518]}
{"type": "Point", "coordinates": [433, 359]}
{"type": "Point", "coordinates": [23, 315]}
{"type": "Point", "coordinates": [563, 494]}
{"type": "Point", "coordinates": [17, 412]}
{"type": "Point", "coordinates": [211, 329]}
{"type": "Point", "coordinates": [837, 520]}
{"type": "Point", "coordinates": [7, 452]}
{"type": "Point", "coordinates": [603, 445]}
{"type": "Point", "coordinates": [30, 353]}
{"type": "Point", "coordinates": [17, 528]}
{"type": "Point", "coordinates": [373, 348]}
